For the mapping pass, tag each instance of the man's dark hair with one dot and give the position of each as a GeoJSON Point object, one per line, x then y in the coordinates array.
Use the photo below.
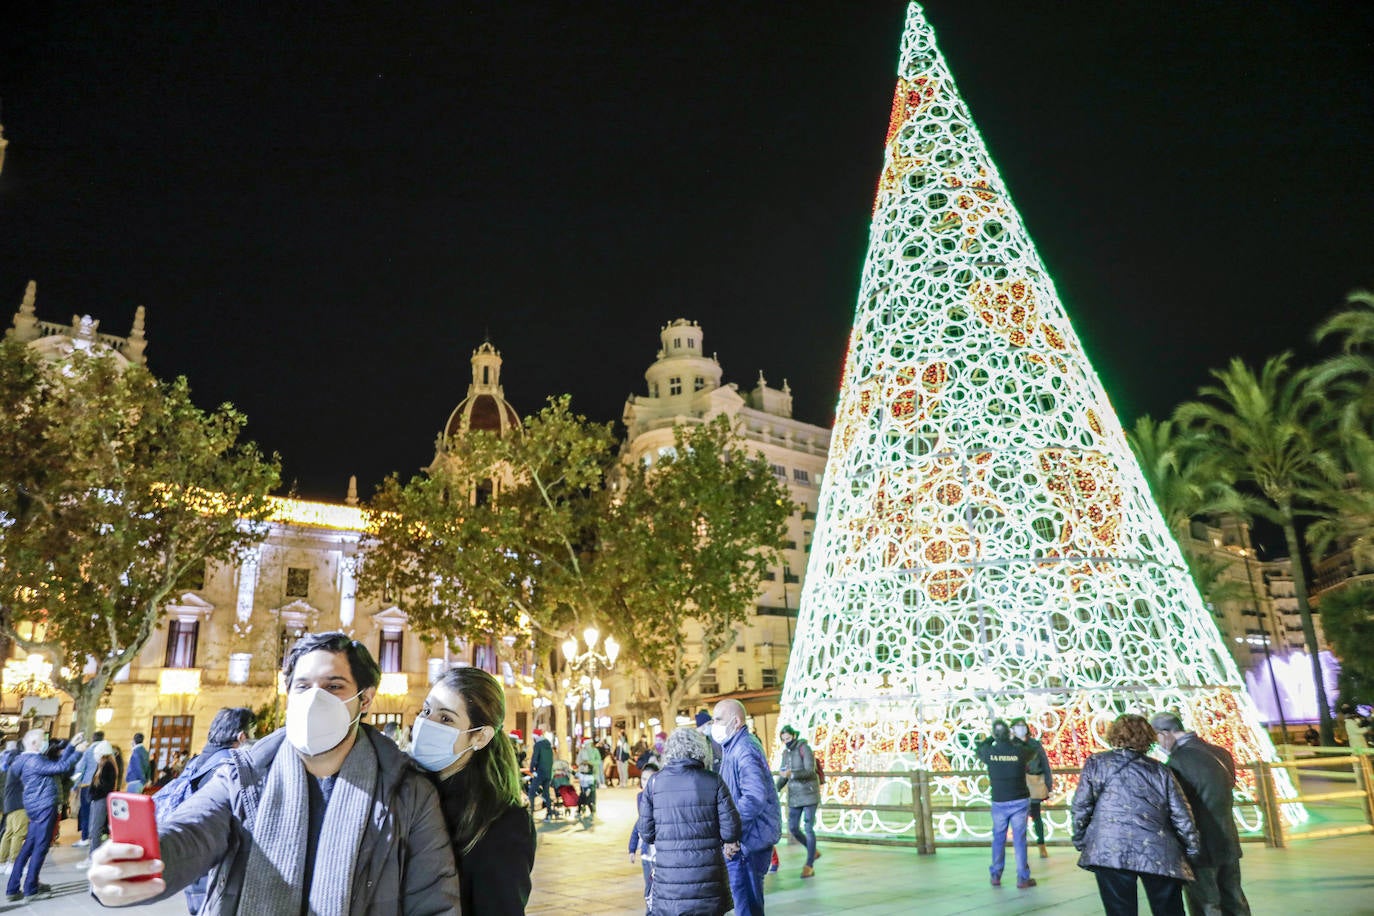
{"type": "Point", "coordinates": [138, 737]}
{"type": "Point", "coordinates": [1167, 722]}
{"type": "Point", "coordinates": [788, 729]}
{"type": "Point", "coordinates": [97, 736]}
{"type": "Point", "coordinates": [365, 670]}
{"type": "Point", "coordinates": [228, 722]}
{"type": "Point", "coordinates": [1001, 730]}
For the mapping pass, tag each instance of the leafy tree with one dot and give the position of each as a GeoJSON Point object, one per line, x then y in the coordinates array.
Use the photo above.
{"type": "Point", "coordinates": [1348, 619]}
{"type": "Point", "coordinates": [115, 490]}
{"type": "Point", "coordinates": [1270, 431]}
{"type": "Point", "coordinates": [686, 544]}
{"type": "Point", "coordinates": [1186, 480]}
{"type": "Point", "coordinates": [497, 540]}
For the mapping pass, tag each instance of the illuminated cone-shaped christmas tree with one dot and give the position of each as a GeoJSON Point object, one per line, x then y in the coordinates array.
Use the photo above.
{"type": "Point", "coordinates": [986, 544]}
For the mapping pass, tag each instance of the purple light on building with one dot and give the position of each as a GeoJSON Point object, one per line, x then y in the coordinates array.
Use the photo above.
{"type": "Point", "coordinates": [1293, 674]}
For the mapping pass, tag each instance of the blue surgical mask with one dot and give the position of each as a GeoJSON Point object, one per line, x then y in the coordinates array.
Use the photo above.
{"type": "Point", "coordinates": [431, 744]}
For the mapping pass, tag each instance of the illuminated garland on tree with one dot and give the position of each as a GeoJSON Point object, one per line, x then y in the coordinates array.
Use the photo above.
{"type": "Point", "coordinates": [986, 544]}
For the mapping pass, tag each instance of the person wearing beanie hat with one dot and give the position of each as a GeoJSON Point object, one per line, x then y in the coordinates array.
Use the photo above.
{"type": "Point", "coordinates": [713, 749]}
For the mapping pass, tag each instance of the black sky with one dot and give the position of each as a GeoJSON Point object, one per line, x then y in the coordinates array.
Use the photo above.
{"type": "Point", "coordinates": [325, 207]}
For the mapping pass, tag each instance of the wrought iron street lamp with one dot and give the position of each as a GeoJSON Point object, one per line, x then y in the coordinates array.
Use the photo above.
{"type": "Point", "coordinates": [591, 663]}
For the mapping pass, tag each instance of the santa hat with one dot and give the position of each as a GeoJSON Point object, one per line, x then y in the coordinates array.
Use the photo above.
{"type": "Point", "coordinates": [538, 733]}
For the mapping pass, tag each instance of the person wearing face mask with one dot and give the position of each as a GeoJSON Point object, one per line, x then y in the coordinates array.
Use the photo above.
{"type": "Point", "coordinates": [797, 772]}
{"type": "Point", "coordinates": [323, 816]}
{"type": "Point", "coordinates": [744, 768]}
{"type": "Point", "coordinates": [1039, 766]}
{"type": "Point", "coordinates": [459, 739]}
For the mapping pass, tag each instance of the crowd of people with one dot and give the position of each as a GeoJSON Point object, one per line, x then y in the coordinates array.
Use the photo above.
{"type": "Point", "coordinates": [329, 814]}
{"type": "Point", "coordinates": [1166, 827]}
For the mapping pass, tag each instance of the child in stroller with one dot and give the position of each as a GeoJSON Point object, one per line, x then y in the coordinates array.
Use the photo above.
{"type": "Point", "coordinates": [586, 778]}
{"type": "Point", "coordinates": [564, 795]}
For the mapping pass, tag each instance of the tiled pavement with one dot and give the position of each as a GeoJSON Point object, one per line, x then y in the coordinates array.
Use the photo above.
{"type": "Point", "coordinates": [583, 869]}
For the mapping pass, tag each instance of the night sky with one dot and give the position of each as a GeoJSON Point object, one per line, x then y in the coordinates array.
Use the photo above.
{"type": "Point", "coordinates": [325, 208]}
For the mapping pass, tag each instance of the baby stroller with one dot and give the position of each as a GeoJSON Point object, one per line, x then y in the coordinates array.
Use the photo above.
{"type": "Point", "coordinates": [586, 778]}
{"type": "Point", "coordinates": [564, 795]}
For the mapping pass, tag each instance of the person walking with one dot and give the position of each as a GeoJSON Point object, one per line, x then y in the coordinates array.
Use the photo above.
{"type": "Point", "coordinates": [1131, 821]}
{"type": "Point", "coordinates": [324, 814]}
{"type": "Point", "coordinates": [638, 843]}
{"type": "Point", "coordinates": [81, 778]}
{"type": "Point", "coordinates": [16, 818]}
{"type": "Point", "coordinates": [686, 814]}
{"type": "Point", "coordinates": [1006, 762]}
{"type": "Point", "coordinates": [1207, 774]}
{"type": "Point", "coordinates": [104, 780]}
{"type": "Point", "coordinates": [41, 801]}
{"type": "Point", "coordinates": [798, 775]}
{"type": "Point", "coordinates": [1039, 778]}
{"type": "Point", "coordinates": [459, 740]}
{"type": "Point", "coordinates": [140, 767]}
{"type": "Point", "coordinates": [620, 754]}
{"type": "Point", "coordinates": [541, 772]}
{"type": "Point", "coordinates": [589, 762]}
{"type": "Point", "coordinates": [745, 771]}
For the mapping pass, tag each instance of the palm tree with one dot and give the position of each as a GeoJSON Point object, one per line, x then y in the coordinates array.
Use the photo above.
{"type": "Point", "coordinates": [1270, 431]}
{"type": "Point", "coordinates": [1351, 372]}
{"type": "Point", "coordinates": [1186, 481]}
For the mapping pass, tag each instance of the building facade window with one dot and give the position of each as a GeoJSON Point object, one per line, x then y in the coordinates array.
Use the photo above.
{"type": "Point", "coordinates": [800, 476]}
{"type": "Point", "coordinates": [740, 682]}
{"type": "Point", "coordinates": [389, 652]}
{"type": "Point", "coordinates": [675, 385]}
{"type": "Point", "coordinates": [691, 344]}
{"type": "Point", "coordinates": [181, 643]}
{"type": "Point", "coordinates": [297, 582]}
{"type": "Point", "coordinates": [778, 470]}
{"type": "Point", "coordinates": [169, 735]}
{"type": "Point", "coordinates": [653, 390]}
{"type": "Point", "coordinates": [770, 678]}
{"type": "Point", "coordinates": [709, 683]}
{"type": "Point", "coordinates": [677, 343]}
{"type": "Point", "coordinates": [698, 383]}
{"type": "Point", "coordinates": [484, 657]}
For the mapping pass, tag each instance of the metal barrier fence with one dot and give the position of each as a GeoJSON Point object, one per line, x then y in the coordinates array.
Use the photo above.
{"type": "Point", "coordinates": [923, 808]}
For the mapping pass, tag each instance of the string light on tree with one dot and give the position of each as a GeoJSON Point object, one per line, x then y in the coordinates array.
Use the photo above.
{"type": "Point", "coordinates": [985, 544]}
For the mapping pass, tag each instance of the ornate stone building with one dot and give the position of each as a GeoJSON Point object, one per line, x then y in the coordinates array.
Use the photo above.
{"type": "Point", "coordinates": [684, 385]}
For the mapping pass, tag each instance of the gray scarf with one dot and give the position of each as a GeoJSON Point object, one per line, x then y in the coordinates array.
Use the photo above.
{"type": "Point", "coordinates": [276, 863]}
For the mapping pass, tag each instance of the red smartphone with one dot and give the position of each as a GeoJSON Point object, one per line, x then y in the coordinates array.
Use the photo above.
{"type": "Point", "coordinates": [133, 819]}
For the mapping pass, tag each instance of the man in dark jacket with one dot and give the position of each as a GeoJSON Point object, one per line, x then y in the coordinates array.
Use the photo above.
{"type": "Point", "coordinates": [16, 818]}
{"type": "Point", "coordinates": [140, 767]}
{"type": "Point", "coordinates": [797, 772]}
{"type": "Point", "coordinates": [750, 781]}
{"type": "Point", "coordinates": [41, 801]}
{"type": "Point", "coordinates": [325, 814]}
{"type": "Point", "coordinates": [1208, 776]}
{"type": "Point", "coordinates": [1039, 766]}
{"type": "Point", "coordinates": [541, 772]}
{"type": "Point", "coordinates": [1006, 762]}
{"type": "Point", "coordinates": [231, 727]}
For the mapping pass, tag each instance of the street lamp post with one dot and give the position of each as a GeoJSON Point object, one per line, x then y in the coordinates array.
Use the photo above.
{"type": "Point", "coordinates": [591, 663]}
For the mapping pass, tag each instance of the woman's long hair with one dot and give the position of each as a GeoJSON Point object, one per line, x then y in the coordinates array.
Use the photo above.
{"type": "Point", "coordinates": [490, 783]}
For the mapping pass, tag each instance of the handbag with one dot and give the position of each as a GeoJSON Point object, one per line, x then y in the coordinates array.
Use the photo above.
{"type": "Point", "coordinates": [1039, 791]}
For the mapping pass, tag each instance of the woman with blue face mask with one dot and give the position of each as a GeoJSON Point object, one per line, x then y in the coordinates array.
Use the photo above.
{"type": "Point", "coordinates": [460, 739]}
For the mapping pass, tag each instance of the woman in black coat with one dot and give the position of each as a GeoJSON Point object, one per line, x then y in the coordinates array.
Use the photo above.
{"type": "Point", "coordinates": [686, 812]}
{"type": "Point", "coordinates": [460, 738]}
{"type": "Point", "coordinates": [1131, 821]}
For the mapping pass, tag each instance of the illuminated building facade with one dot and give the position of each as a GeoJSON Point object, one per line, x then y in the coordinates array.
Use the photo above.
{"type": "Point", "coordinates": [684, 386]}
{"type": "Point", "coordinates": [986, 544]}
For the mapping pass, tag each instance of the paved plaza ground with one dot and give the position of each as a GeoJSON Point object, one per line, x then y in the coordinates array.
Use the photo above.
{"type": "Point", "coordinates": [583, 869]}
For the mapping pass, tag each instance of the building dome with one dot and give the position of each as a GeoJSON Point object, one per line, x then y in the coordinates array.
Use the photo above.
{"type": "Point", "coordinates": [485, 407]}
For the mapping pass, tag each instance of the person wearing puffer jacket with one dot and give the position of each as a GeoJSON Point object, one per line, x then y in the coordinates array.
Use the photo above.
{"type": "Point", "coordinates": [687, 815]}
{"type": "Point", "coordinates": [1132, 821]}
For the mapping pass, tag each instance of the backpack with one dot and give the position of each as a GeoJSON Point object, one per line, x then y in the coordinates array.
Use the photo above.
{"type": "Point", "coordinates": [173, 794]}
{"type": "Point", "coordinates": [820, 773]}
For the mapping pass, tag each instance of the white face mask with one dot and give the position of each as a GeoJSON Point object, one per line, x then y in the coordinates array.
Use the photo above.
{"type": "Point", "coordinates": [721, 732]}
{"type": "Point", "coordinates": [1020, 731]}
{"type": "Point", "coordinates": [431, 744]}
{"type": "Point", "coordinates": [317, 721]}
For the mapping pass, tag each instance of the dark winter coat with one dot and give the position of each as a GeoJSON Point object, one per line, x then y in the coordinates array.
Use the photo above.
{"type": "Point", "coordinates": [1039, 764]}
{"type": "Point", "coordinates": [14, 783]}
{"type": "Point", "coordinates": [404, 864]}
{"type": "Point", "coordinates": [495, 874]}
{"type": "Point", "coordinates": [745, 772]}
{"type": "Point", "coordinates": [686, 813]}
{"type": "Point", "coordinates": [40, 792]}
{"type": "Point", "coordinates": [541, 758]}
{"type": "Point", "coordinates": [803, 786]}
{"type": "Point", "coordinates": [1208, 776]}
{"type": "Point", "coordinates": [1130, 813]}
